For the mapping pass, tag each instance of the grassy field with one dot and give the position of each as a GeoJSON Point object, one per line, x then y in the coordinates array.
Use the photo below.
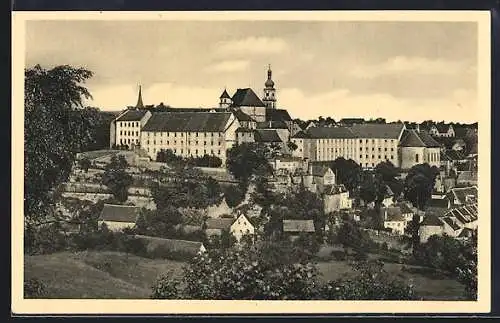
{"type": "Point", "coordinates": [117, 275]}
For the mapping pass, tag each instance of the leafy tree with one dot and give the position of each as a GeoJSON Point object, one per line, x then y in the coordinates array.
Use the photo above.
{"type": "Point", "coordinates": [350, 235]}
{"type": "Point", "coordinates": [348, 172]}
{"type": "Point", "coordinates": [84, 164]}
{"type": "Point", "coordinates": [56, 128]}
{"type": "Point", "coordinates": [467, 271]}
{"type": "Point", "coordinates": [165, 287]}
{"type": "Point", "coordinates": [419, 184]}
{"type": "Point", "coordinates": [245, 159]}
{"type": "Point", "coordinates": [34, 288]}
{"type": "Point", "coordinates": [116, 178]}
{"type": "Point", "coordinates": [234, 195]}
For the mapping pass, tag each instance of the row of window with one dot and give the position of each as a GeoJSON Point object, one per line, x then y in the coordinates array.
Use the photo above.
{"type": "Point", "coordinates": [181, 134]}
{"type": "Point", "coordinates": [188, 151]}
{"type": "Point", "coordinates": [127, 141]}
{"type": "Point", "coordinates": [182, 142]}
{"type": "Point", "coordinates": [128, 133]}
{"type": "Point", "coordinates": [373, 156]}
{"type": "Point", "coordinates": [128, 124]}
{"type": "Point", "coordinates": [373, 149]}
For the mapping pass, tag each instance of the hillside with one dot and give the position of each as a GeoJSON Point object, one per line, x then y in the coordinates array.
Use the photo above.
{"type": "Point", "coordinates": [105, 274]}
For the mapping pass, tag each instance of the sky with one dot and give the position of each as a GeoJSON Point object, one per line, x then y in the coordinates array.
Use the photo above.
{"type": "Point", "coordinates": [411, 71]}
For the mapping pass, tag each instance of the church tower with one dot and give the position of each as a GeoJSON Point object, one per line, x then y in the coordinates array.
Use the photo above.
{"type": "Point", "coordinates": [139, 104]}
{"type": "Point", "coordinates": [225, 100]}
{"type": "Point", "coordinates": [269, 98]}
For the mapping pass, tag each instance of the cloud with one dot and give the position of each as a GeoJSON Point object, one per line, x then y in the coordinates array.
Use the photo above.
{"type": "Point", "coordinates": [228, 66]}
{"type": "Point", "coordinates": [251, 46]}
{"type": "Point", "coordinates": [414, 65]}
{"type": "Point", "coordinates": [461, 105]}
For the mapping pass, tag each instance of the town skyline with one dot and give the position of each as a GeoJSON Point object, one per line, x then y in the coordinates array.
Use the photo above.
{"type": "Point", "coordinates": [393, 70]}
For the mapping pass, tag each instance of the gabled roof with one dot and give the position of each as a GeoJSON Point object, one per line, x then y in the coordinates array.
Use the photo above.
{"type": "Point", "coordinates": [219, 223]}
{"type": "Point", "coordinates": [298, 226]}
{"type": "Point", "coordinates": [451, 222]}
{"type": "Point", "coordinates": [224, 95]}
{"type": "Point", "coordinates": [119, 213]}
{"type": "Point", "coordinates": [379, 131]}
{"type": "Point", "coordinates": [319, 170]}
{"type": "Point", "coordinates": [132, 115]}
{"type": "Point", "coordinates": [301, 134]}
{"type": "Point", "coordinates": [411, 138]}
{"type": "Point", "coordinates": [393, 214]}
{"type": "Point", "coordinates": [246, 98]}
{"type": "Point", "coordinates": [277, 115]}
{"type": "Point", "coordinates": [241, 116]}
{"type": "Point", "coordinates": [454, 155]}
{"type": "Point", "coordinates": [266, 135]}
{"type": "Point", "coordinates": [428, 140]}
{"type": "Point", "coordinates": [330, 132]}
{"type": "Point", "coordinates": [187, 121]}
{"type": "Point", "coordinates": [431, 220]}
{"type": "Point", "coordinates": [464, 214]}
{"type": "Point", "coordinates": [460, 193]}
{"type": "Point", "coordinates": [438, 203]}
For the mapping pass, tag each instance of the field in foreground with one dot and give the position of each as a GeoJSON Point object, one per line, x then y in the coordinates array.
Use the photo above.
{"type": "Point", "coordinates": [102, 275]}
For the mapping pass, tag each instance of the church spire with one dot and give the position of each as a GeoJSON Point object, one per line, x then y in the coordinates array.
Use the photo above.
{"type": "Point", "coordinates": [269, 98]}
{"type": "Point", "coordinates": [139, 104]}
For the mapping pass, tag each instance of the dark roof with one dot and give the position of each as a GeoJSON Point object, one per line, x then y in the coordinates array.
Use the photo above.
{"type": "Point", "coordinates": [441, 127]}
{"type": "Point", "coordinates": [413, 138]}
{"type": "Point", "coordinates": [266, 135]}
{"type": "Point", "coordinates": [431, 220]}
{"type": "Point", "coordinates": [451, 222]}
{"type": "Point", "coordinates": [184, 121]}
{"type": "Point", "coordinates": [154, 243]}
{"type": "Point", "coordinates": [272, 125]}
{"type": "Point", "coordinates": [132, 115]}
{"type": "Point", "coordinates": [319, 170]}
{"type": "Point", "coordinates": [381, 131]}
{"type": "Point", "coordinates": [301, 134]}
{"type": "Point", "coordinates": [467, 176]}
{"type": "Point", "coordinates": [246, 97]}
{"type": "Point", "coordinates": [405, 208]}
{"type": "Point", "coordinates": [224, 95]}
{"type": "Point", "coordinates": [277, 115]}
{"type": "Point", "coordinates": [393, 213]}
{"type": "Point", "coordinates": [241, 116]}
{"type": "Point", "coordinates": [330, 132]}
{"type": "Point", "coordinates": [454, 155]}
{"type": "Point", "coordinates": [219, 223]}
{"type": "Point", "coordinates": [428, 140]}
{"type": "Point", "coordinates": [438, 203]}
{"type": "Point", "coordinates": [461, 193]}
{"type": "Point", "coordinates": [119, 213]}
{"type": "Point", "coordinates": [298, 226]}
{"type": "Point", "coordinates": [466, 233]}
{"type": "Point", "coordinates": [464, 214]}
{"type": "Point", "coordinates": [244, 129]}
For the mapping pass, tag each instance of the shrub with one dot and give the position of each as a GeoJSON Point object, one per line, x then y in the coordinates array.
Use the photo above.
{"type": "Point", "coordinates": [234, 195]}
{"type": "Point", "coordinates": [34, 288]}
{"type": "Point", "coordinates": [165, 287]}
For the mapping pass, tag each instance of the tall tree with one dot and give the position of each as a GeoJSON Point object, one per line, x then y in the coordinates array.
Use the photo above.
{"type": "Point", "coordinates": [348, 172]}
{"type": "Point", "coordinates": [56, 128]}
{"type": "Point", "coordinates": [117, 179]}
{"type": "Point", "coordinates": [245, 160]}
{"type": "Point", "coordinates": [419, 184]}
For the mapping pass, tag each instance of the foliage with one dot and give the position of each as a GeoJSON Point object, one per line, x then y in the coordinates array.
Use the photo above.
{"type": "Point", "coordinates": [350, 235]}
{"type": "Point", "coordinates": [234, 195]}
{"type": "Point", "coordinates": [240, 274]}
{"type": "Point", "coordinates": [56, 128]}
{"type": "Point", "coordinates": [348, 172]}
{"type": "Point", "coordinates": [388, 174]}
{"type": "Point", "coordinates": [44, 239]}
{"type": "Point", "coordinates": [165, 287]}
{"type": "Point", "coordinates": [84, 164]}
{"type": "Point", "coordinates": [371, 283]}
{"type": "Point", "coordinates": [467, 272]}
{"type": "Point", "coordinates": [205, 161]}
{"type": "Point", "coordinates": [419, 184]}
{"type": "Point", "coordinates": [441, 252]}
{"type": "Point", "coordinates": [247, 159]}
{"type": "Point", "coordinates": [116, 178]}
{"type": "Point", "coordinates": [34, 288]}
{"type": "Point", "coordinates": [168, 156]}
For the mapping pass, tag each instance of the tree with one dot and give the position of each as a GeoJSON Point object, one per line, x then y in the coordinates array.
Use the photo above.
{"type": "Point", "coordinates": [419, 184]}
{"type": "Point", "coordinates": [84, 164]}
{"type": "Point", "coordinates": [350, 235]}
{"type": "Point", "coordinates": [56, 128]}
{"type": "Point", "coordinates": [245, 159]}
{"type": "Point", "coordinates": [116, 178]}
{"type": "Point", "coordinates": [347, 172]}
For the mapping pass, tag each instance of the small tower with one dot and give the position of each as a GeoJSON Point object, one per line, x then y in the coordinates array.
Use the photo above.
{"type": "Point", "coordinates": [269, 98]}
{"type": "Point", "coordinates": [225, 100]}
{"type": "Point", "coordinates": [139, 104]}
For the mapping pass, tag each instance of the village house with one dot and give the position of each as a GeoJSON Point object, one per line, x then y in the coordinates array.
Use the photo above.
{"type": "Point", "coordinates": [431, 225]}
{"type": "Point", "coordinates": [318, 177]}
{"type": "Point", "coordinates": [335, 198]}
{"type": "Point", "coordinates": [394, 220]}
{"type": "Point", "coordinates": [294, 228]}
{"type": "Point", "coordinates": [288, 165]}
{"type": "Point", "coordinates": [442, 130]}
{"type": "Point", "coordinates": [463, 195]}
{"type": "Point", "coordinates": [466, 216]}
{"type": "Point", "coordinates": [118, 217]}
{"type": "Point", "coordinates": [450, 226]}
{"type": "Point", "coordinates": [238, 227]}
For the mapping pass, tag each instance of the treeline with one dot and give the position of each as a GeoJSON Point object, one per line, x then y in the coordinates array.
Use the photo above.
{"type": "Point", "coordinates": [168, 156]}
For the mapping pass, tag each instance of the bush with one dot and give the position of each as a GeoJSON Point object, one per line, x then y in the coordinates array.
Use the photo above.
{"type": "Point", "coordinates": [338, 255]}
{"type": "Point", "coordinates": [165, 287]}
{"type": "Point", "coordinates": [34, 288]}
{"type": "Point", "coordinates": [234, 195]}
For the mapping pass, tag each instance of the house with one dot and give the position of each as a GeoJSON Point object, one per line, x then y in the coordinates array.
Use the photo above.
{"type": "Point", "coordinates": [450, 226]}
{"type": "Point", "coordinates": [335, 198]}
{"type": "Point", "coordinates": [288, 165]}
{"type": "Point", "coordinates": [237, 227]}
{"type": "Point", "coordinates": [388, 197]}
{"type": "Point", "coordinates": [394, 220]}
{"type": "Point", "coordinates": [467, 177]}
{"type": "Point", "coordinates": [318, 177]}
{"type": "Point", "coordinates": [466, 216]}
{"type": "Point", "coordinates": [296, 227]}
{"type": "Point", "coordinates": [431, 225]}
{"type": "Point", "coordinates": [406, 211]}
{"type": "Point", "coordinates": [160, 247]}
{"type": "Point", "coordinates": [442, 130]}
{"type": "Point", "coordinates": [118, 217]}
{"type": "Point", "coordinates": [417, 147]}
{"type": "Point", "coordinates": [463, 195]}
